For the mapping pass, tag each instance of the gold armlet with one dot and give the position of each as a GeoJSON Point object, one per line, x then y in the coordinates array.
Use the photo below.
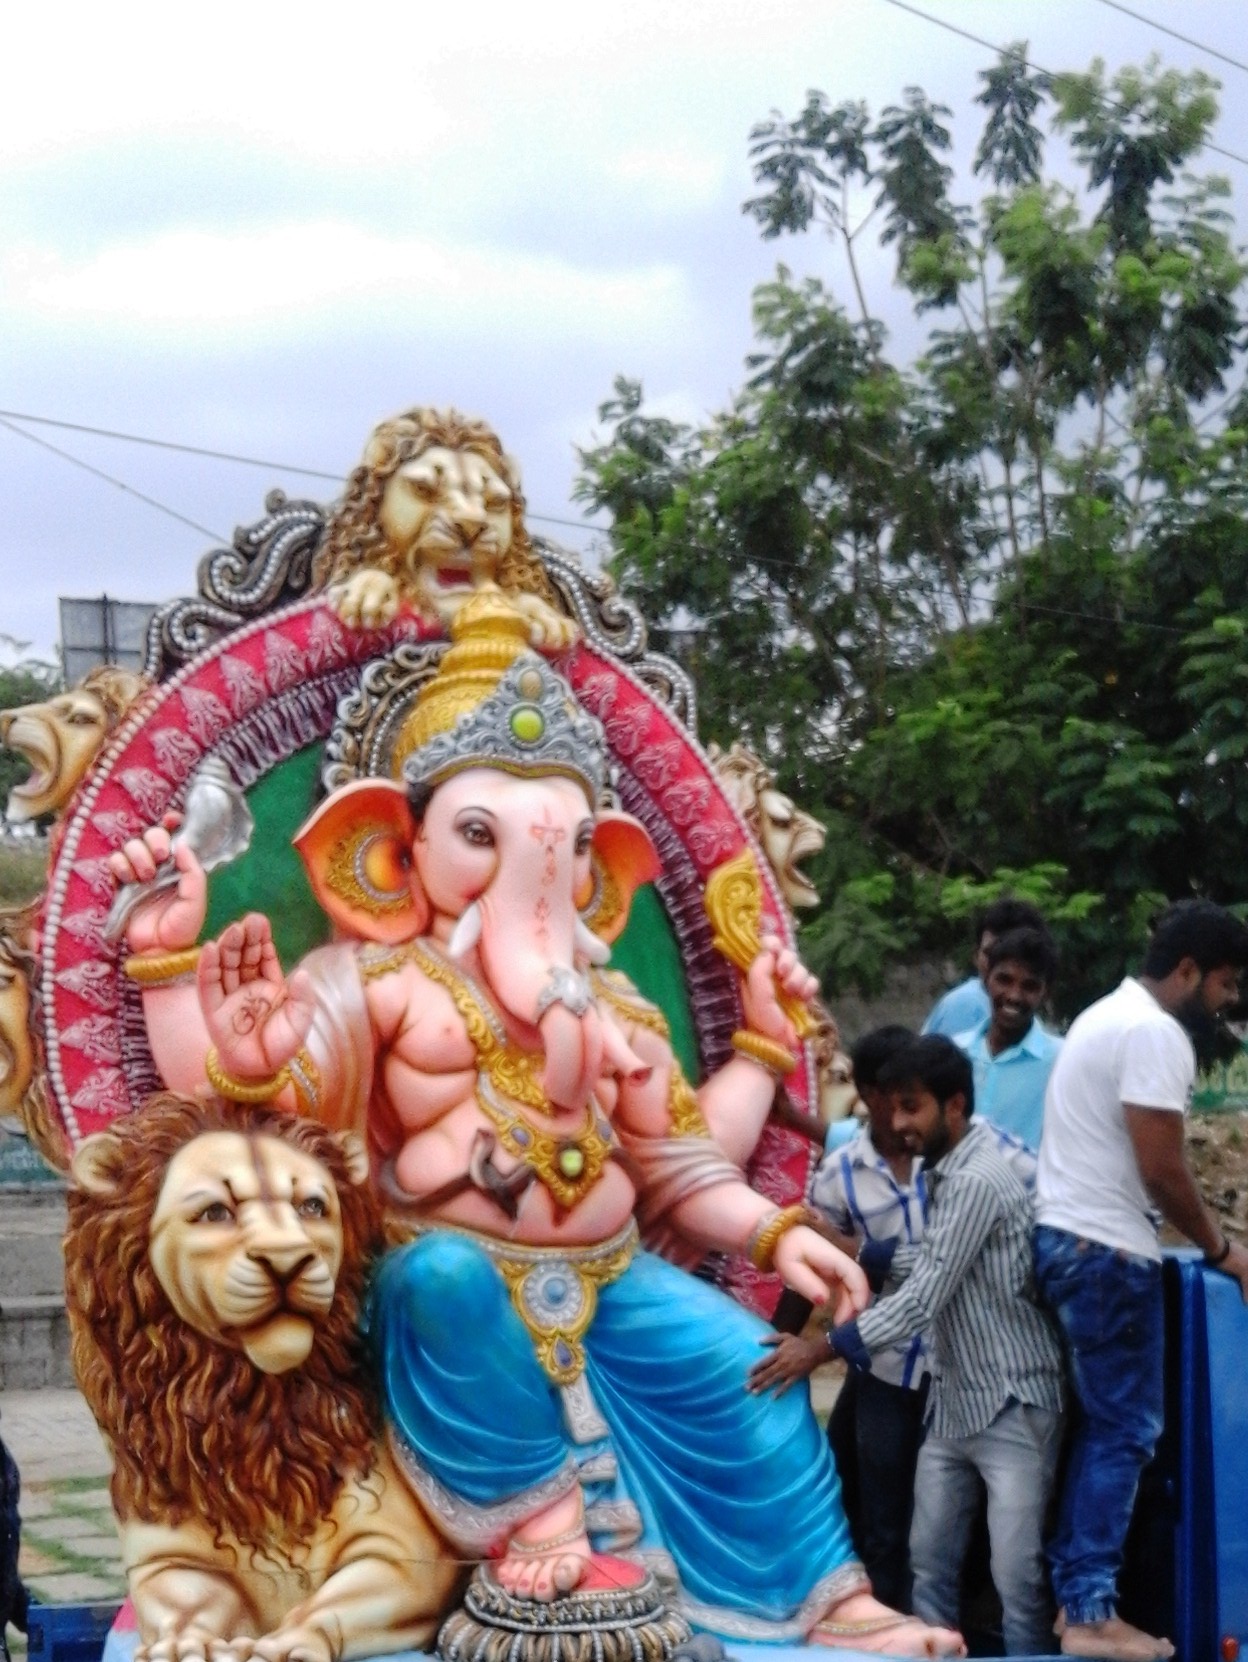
{"type": "Point", "coordinates": [162, 969]}
{"type": "Point", "coordinates": [767, 1052]}
{"type": "Point", "coordinates": [305, 1076]}
{"type": "Point", "coordinates": [243, 1090]}
{"type": "Point", "coordinates": [761, 1246]}
{"type": "Point", "coordinates": [684, 1113]}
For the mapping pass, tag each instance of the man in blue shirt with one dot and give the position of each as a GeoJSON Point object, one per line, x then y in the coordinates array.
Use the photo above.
{"type": "Point", "coordinates": [1011, 1053]}
{"type": "Point", "coordinates": [965, 1005]}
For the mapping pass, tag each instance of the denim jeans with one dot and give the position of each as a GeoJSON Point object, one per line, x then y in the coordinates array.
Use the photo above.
{"type": "Point", "coordinates": [1015, 1458]}
{"type": "Point", "coordinates": [1108, 1304]}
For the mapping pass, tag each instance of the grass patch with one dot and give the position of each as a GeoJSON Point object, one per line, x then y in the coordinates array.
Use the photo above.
{"type": "Point", "coordinates": [23, 871]}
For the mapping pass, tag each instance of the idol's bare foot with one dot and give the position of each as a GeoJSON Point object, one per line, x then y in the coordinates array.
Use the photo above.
{"type": "Point", "coordinates": [860, 1622]}
{"type": "Point", "coordinates": [548, 1555]}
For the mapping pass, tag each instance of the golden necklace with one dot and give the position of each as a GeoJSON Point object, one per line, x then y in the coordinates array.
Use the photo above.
{"type": "Point", "coordinates": [514, 1071]}
{"type": "Point", "coordinates": [566, 1165]}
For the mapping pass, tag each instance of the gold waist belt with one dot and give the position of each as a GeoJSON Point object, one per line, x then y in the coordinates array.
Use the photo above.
{"type": "Point", "coordinates": [554, 1289]}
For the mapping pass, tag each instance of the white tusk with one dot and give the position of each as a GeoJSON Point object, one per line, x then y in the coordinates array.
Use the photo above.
{"type": "Point", "coordinates": [466, 933]}
{"type": "Point", "coordinates": [589, 944]}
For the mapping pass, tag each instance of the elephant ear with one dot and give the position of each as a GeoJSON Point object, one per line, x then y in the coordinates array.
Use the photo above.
{"type": "Point", "coordinates": [623, 859]}
{"type": "Point", "coordinates": [357, 851]}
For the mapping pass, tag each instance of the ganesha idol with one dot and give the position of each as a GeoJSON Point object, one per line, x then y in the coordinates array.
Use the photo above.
{"type": "Point", "coordinates": [565, 1405]}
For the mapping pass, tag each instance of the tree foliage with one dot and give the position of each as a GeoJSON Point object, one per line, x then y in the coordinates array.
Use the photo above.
{"type": "Point", "coordinates": [983, 610]}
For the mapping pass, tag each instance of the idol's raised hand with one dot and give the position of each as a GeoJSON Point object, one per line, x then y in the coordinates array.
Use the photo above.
{"type": "Point", "coordinates": [255, 1017]}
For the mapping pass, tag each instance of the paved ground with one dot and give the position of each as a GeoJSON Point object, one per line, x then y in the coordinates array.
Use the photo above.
{"type": "Point", "coordinates": [70, 1552]}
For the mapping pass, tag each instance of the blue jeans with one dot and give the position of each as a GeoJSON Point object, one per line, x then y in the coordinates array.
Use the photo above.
{"type": "Point", "coordinates": [1109, 1306]}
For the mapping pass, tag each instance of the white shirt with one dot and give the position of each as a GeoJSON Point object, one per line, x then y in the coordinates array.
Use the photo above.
{"type": "Point", "coordinates": [855, 1189]}
{"type": "Point", "coordinates": [1124, 1048]}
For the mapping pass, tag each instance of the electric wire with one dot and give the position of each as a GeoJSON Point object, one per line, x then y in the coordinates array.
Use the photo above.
{"type": "Point", "coordinates": [1210, 51]}
{"type": "Point", "coordinates": [77, 461]}
{"type": "Point", "coordinates": [1030, 63]}
{"type": "Point", "coordinates": [8, 417]}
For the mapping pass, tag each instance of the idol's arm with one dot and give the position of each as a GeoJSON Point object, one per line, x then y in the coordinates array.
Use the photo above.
{"type": "Point", "coordinates": [162, 955]}
{"type": "Point", "coordinates": [737, 1099]}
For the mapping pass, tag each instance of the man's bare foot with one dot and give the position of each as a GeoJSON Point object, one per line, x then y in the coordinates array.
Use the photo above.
{"type": "Point", "coordinates": [1112, 1640]}
{"type": "Point", "coordinates": [548, 1555]}
{"type": "Point", "coordinates": [860, 1622]}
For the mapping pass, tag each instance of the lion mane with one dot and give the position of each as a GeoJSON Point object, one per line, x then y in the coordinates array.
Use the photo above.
{"type": "Point", "coordinates": [353, 538]}
{"type": "Point", "coordinates": [196, 1429]}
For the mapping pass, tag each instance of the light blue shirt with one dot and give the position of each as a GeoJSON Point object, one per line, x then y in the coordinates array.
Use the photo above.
{"type": "Point", "coordinates": [961, 1008]}
{"type": "Point", "coordinates": [1009, 1088]}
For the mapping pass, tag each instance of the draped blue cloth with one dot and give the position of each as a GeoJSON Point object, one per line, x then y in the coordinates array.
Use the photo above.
{"type": "Point", "coordinates": [739, 1490]}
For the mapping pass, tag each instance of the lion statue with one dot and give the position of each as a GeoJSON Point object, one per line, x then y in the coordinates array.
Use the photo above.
{"type": "Point", "coordinates": [63, 735]}
{"type": "Point", "coordinates": [215, 1262]}
{"type": "Point", "coordinates": [23, 1079]}
{"type": "Point", "coordinates": [787, 833]}
{"type": "Point", "coordinates": [433, 513]}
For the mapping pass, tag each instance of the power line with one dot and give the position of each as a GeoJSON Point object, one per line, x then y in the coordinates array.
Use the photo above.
{"type": "Point", "coordinates": [10, 416]}
{"type": "Point", "coordinates": [1030, 63]}
{"type": "Point", "coordinates": [169, 444]}
{"type": "Point", "coordinates": [1210, 51]}
{"type": "Point", "coordinates": [76, 461]}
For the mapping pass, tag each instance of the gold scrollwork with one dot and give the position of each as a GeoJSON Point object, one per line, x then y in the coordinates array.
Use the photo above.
{"type": "Point", "coordinates": [734, 904]}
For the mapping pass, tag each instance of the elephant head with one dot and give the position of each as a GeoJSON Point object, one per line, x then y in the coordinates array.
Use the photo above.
{"type": "Point", "coordinates": [496, 847]}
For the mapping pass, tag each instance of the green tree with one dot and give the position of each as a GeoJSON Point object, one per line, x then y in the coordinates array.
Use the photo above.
{"type": "Point", "coordinates": [981, 610]}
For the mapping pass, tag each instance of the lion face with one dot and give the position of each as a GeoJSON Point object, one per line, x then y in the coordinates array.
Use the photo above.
{"type": "Point", "coordinates": [61, 737]}
{"type": "Point", "coordinates": [788, 835]}
{"type": "Point", "coordinates": [447, 516]}
{"type": "Point", "coordinates": [246, 1242]}
{"type": "Point", "coordinates": [17, 1050]}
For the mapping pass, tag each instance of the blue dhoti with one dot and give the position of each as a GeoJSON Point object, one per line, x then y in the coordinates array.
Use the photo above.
{"type": "Point", "coordinates": [733, 1496]}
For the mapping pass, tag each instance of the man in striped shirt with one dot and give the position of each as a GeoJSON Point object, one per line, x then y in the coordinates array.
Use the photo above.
{"type": "Point", "coordinates": [994, 1414]}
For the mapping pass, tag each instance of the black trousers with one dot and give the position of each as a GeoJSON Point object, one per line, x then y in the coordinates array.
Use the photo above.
{"type": "Point", "coordinates": [875, 1430]}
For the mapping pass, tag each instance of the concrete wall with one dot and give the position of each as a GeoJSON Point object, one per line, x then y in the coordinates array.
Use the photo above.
{"type": "Point", "coordinates": [909, 992]}
{"type": "Point", "coordinates": [34, 1332]}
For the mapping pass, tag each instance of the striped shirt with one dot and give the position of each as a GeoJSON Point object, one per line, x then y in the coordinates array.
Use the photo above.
{"type": "Point", "coordinates": [970, 1282]}
{"type": "Point", "coordinates": [857, 1192]}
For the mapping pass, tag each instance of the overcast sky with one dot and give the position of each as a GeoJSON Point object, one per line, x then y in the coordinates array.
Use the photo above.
{"type": "Point", "coordinates": [250, 228]}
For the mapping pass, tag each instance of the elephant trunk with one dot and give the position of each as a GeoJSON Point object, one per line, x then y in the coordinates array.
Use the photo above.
{"type": "Point", "coordinates": [528, 931]}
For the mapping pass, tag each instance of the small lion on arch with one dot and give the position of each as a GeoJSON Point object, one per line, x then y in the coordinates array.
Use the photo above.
{"type": "Point", "coordinates": [215, 1263]}
{"type": "Point", "coordinates": [433, 513]}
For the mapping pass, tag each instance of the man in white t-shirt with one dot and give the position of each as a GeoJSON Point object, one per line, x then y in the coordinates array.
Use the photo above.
{"type": "Point", "coordinates": [1112, 1163]}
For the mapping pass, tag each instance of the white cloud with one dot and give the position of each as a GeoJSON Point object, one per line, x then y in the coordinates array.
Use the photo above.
{"type": "Point", "coordinates": [277, 277]}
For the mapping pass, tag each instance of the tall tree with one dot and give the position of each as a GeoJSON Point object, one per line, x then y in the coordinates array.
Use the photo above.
{"type": "Point", "coordinates": [981, 609]}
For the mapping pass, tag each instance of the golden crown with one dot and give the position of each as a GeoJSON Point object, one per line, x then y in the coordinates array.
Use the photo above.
{"type": "Point", "coordinates": [495, 703]}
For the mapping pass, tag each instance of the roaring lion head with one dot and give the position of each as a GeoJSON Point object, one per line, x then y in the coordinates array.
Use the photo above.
{"type": "Point", "coordinates": [787, 833]}
{"type": "Point", "coordinates": [435, 504]}
{"type": "Point", "coordinates": [61, 737]}
{"type": "Point", "coordinates": [214, 1263]}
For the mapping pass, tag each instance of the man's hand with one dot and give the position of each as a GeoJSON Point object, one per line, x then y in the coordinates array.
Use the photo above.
{"type": "Point", "coordinates": [792, 1358]}
{"type": "Point", "coordinates": [814, 1268]}
{"type": "Point", "coordinates": [254, 1017]}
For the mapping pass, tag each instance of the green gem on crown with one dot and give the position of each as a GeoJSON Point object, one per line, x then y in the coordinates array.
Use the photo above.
{"type": "Point", "coordinates": [527, 723]}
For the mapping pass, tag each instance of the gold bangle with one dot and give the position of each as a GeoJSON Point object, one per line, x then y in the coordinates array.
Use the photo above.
{"type": "Point", "coordinates": [761, 1246]}
{"type": "Point", "coordinates": [305, 1076]}
{"type": "Point", "coordinates": [243, 1090]}
{"type": "Point", "coordinates": [157, 969]}
{"type": "Point", "coordinates": [767, 1052]}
